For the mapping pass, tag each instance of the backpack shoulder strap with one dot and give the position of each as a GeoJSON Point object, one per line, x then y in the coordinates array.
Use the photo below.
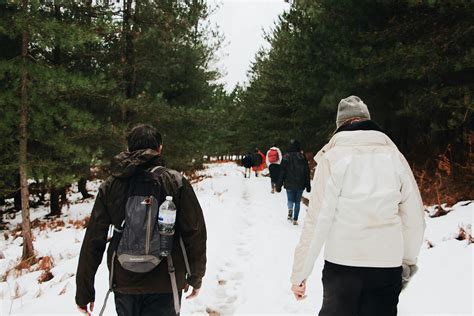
{"type": "Point", "coordinates": [185, 256]}
{"type": "Point", "coordinates": [172, 273]}
{"type": "Point", "coordinates": [161, 168]}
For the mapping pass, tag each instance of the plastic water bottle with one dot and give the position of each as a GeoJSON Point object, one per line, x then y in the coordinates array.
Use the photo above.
{"type": "Point", "coordinates": [166, 221]}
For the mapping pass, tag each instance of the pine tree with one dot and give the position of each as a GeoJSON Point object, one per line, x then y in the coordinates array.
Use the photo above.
{"type": "Point", "coordinates": [28, 251]}
{"type": "Point", "coordinates": [64, 93]}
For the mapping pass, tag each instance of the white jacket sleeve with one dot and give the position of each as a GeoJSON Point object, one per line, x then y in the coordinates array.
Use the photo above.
{"type": "Point", "coordinates": [412, 214]}
{"type": "Point", "coordinates": [280, 156]}
{"type": "Point", "coordinates": [318, 221]}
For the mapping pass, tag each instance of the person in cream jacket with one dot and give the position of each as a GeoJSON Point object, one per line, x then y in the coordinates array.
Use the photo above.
{"type": "Point", "coordinates": [366, 209]}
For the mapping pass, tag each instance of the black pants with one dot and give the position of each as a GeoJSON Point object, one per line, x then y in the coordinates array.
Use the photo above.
{"type": "Point", "coordinates": [145, 304]}
{"type": "Point", "coordinates": [274, 172]}
{"type": "Point", "coordinates": [357, 291]}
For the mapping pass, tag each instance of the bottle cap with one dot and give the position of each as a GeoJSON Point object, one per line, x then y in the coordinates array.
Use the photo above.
{"type": "Point", "coordinates": [169, 198]}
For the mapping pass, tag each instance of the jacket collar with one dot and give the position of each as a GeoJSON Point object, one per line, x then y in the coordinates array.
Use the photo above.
{"type": "Point", "coordinates": [356, 138]}
{"type": "Point", "coordinates": [364, 125]}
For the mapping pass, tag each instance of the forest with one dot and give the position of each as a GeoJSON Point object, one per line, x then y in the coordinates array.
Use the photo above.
{"type": "Point", "coordinates": [75, 76]}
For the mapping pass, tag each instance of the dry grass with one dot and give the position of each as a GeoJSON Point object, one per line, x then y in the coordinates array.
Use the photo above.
{"type": "Point", "coordinates": [439, 211]}
{"type": "Point", "coordinates": [465, 233]}
{"type": "Point", "coordinates": [45, 263]}
{"type": "Point", "coordinates": [45, 276]}
{"type": "Point", "coordinates": [80, 224]}
{"type": "Point", "coordinates": [64, 289]}
{"type": "Point", "coordinates": [38, 293]}
{"type": "Point", "coordinates": [444, 181]}
{"type": "Point", "coordinates": [25, 264]}
{"type": "Point", "coordinates": [49, 224]}
{"type": "Point", "coordinates": [194, 178]}
{"type": "Point", "coordinates": [212, 312]}
{"type": "Point", "coordinates": [16, 291]}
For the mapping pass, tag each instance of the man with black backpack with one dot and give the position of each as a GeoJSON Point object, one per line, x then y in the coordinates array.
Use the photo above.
{"type": "Point", "coordinates": [247, 164]}
{"type": "Point", "coordinates": [143, 282]}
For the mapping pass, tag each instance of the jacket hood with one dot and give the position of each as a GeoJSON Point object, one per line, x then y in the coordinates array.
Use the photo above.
{"type": "Point", "coordinates": [127, 164]}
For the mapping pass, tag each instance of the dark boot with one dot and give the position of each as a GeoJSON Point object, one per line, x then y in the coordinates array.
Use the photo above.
{"type": "Point", "coordinates": [290, 215]}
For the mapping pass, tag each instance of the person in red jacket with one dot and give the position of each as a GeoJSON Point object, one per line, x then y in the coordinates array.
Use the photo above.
{"type": "Point", "coordinates": [273, 161]}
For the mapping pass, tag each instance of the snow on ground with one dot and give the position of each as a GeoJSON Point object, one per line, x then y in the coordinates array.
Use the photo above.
{"type": "Point", "coordinates": [250, 253]}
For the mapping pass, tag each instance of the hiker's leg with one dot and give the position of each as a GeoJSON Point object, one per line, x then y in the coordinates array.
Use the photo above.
{"type": "Point", "coordinates": [298, 195]}
{"type": "Point", "coordinates": [342, 288]}
{"type": "Point", "coordinates": [273, 178]}
{"type": "Point", "coordinates": [127, 304]}
{"type": "Point", "coordinates": [158, 304]}
{"type": "Point", "coordinates": [290, 194]}
{"type": "Point", "coordinates": [380, 295]}
{"type": "Point", "coordinates": [271, 168]}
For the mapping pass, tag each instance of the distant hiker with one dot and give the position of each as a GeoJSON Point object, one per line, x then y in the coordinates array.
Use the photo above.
{"type": "Point", "coordinates": [294, 176]}
{"type": "Point", "coordinates": [366, 207]}
{"type": "Point", "coordinates": [143, 282]}
{"type": "Point", "coordinates": [247, 164]}
{"type": "Point", "coordinates": [273, 162]}
{"type": "Point", "coordinates": [258, 161]}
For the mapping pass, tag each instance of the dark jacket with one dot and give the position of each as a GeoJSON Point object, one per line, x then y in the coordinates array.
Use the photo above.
{"type": "Point", "coordinates": [256, 159]}
{"type": "Point", "coordinates": [247, 161]}
{"type": "Point", "coordinates": [109, 209]}
{"type": "Point", "coordinates": [294, 173]}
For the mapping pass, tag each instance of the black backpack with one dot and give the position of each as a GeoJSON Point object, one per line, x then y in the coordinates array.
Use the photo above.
{"type": "Point", "coordinates": [136, 244]}
{"type": "Point", "coordinates": [139, 246]}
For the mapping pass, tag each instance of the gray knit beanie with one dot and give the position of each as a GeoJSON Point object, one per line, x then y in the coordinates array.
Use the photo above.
{"type": "Point", "coordinates": [351, 107]}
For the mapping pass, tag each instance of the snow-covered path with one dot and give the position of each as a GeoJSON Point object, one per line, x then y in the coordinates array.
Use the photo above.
{"type": "Point", "coordinates": [250, 246]}
{"type": "Point", "coordinates": [250, 253]}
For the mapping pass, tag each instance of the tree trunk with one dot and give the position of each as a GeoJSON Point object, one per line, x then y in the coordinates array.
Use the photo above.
{"type": "Point", "coordinates": [55, 205]}
{"type": "Point", "coordinates": [63, 196]}
{"type": "Point", "coordinates": [81, 185]}
{"type": "Point", "coordinates": [28, 251]}
{"type": "Point", "coordinates": [127, 55]}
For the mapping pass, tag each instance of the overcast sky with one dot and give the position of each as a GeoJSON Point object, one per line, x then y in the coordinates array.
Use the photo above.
{"type": "Point", "coordinates": [242, 23]}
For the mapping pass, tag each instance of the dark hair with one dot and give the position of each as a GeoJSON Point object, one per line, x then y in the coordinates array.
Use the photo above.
{"type": "Point", "coordinates": [143, 137]}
